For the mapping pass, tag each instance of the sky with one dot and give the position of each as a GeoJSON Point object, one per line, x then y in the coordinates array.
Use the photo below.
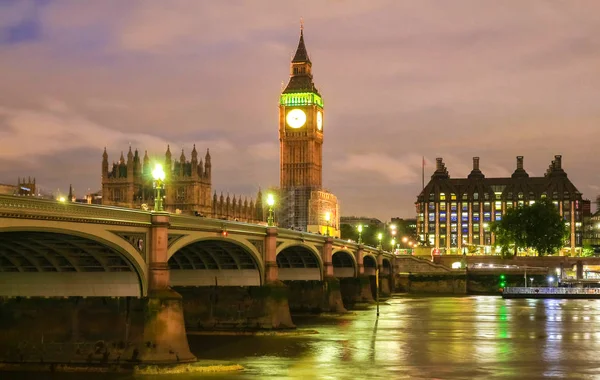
{"type": "Point", "coordinates": [401, 80]}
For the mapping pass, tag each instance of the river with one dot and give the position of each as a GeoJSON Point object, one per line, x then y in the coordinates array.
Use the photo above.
{"type": "Point", "coordinates": [414, 337]}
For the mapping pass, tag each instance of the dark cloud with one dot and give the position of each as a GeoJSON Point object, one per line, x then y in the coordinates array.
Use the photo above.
{"type": "Point", "coordinates": [400, 79]}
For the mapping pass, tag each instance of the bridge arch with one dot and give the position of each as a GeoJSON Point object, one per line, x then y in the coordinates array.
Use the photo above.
{"type": "Point", "coordinates": [344, 263]}
{"type": "Point", "coordinates": [66, 261]}
{"type": "Point", "coordinates": [386, 266]}
{"type": "Point", "coordinates": [299, 262]}
{"type": "Point", "coordinates": [214, 260]}
{"type": "Point", "coordinates": [370, 264]}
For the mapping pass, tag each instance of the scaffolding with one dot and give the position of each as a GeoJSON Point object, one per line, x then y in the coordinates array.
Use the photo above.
{"type": "Point", "coordinates": [294, 208]}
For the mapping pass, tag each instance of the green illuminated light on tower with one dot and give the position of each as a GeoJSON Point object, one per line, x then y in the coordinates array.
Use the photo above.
{"type": "Point", "coordinates": [301, 99]}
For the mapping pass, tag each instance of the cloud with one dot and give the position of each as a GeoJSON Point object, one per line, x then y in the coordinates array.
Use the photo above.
{"type": "Point", "coordinates": [394, 171]}
{"type": "Point", "coordinates": [400, 80]}
{"type": "Point", "coordinates": [27, 135]}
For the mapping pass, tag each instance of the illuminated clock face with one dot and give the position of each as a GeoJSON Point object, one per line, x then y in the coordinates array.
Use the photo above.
{"type": "Point", "coordinates": [296, 118]}
{"type": "Point", "coordinates": [319, 121]}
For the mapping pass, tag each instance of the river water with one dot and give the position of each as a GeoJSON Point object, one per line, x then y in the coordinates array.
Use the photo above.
{"type": "Point", "coordinates": [421, 338]}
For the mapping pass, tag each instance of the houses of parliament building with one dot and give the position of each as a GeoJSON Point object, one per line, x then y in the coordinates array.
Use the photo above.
{"type": "Point", "coordinates": [188, 187]}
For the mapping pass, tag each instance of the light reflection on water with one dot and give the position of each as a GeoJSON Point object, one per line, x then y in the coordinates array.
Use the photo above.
{"type": "Point", "coordinates": [437, 337]}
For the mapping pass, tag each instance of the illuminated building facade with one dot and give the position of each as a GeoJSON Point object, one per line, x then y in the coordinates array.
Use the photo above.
{"type": "Point", "coordinates": [454, 215]}
{"type": "Point", "coordinates": [304, 205]}
{"type": "Point", "coordinates": [129, 183]}
{"type": "Point", "coordinates": [592, 229]}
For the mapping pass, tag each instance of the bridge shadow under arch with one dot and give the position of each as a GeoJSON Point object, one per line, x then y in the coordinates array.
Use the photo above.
{"type": "Point", "coordinates": [211, 262]}
{"type": "Point", "coordinates": [61, 264]}
{"type": "Point", "coordinates": [344, 264]}
{"type": "Point", "coordinates": [299, 262]}
{"type": "Point", "coordinates": [386, 267]}
{"type": "Point", "coordinates": [370, 265]}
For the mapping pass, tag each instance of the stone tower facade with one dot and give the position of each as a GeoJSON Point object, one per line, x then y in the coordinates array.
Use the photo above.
{"type": "Point", "coordinates": [188, 187]}
{"type": "Point", "coordinates": [304, 204]}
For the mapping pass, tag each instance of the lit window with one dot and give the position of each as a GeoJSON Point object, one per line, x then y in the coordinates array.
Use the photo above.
{"type": "Point", "coordinates": [442, 197]}
{"type": "Point", "coordinates": [498, 205]}
{"type": "Point", "coordinates": [453, 196]}
{"type": "Point", "coordinates": [465, 216]}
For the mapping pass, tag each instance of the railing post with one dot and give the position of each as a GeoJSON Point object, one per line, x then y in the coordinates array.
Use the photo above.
{"type": "Point", "coordinates": [157, 262]}
{"type": "Point", "coordinates": [271, 269]}
{"type": "Point", "coordinates": [327, 257]}
{"type": "Point", "coordinates": [360, 264]}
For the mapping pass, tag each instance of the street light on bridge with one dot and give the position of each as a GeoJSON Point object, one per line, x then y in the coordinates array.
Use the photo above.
{"type": "Point", "coordinates": [379, 238]}
{"type": "Point", "coordinates": [270, 203]}
{"type": "Point", "coordinates": [360, 230]}
{"type": "Point", "coordinates": [327, 219]}
{"type": "Point", "coordinates": [159, 184]}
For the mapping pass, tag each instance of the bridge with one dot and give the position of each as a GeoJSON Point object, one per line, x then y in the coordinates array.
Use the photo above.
{"type": "Point", "coordinates": [74, 258]}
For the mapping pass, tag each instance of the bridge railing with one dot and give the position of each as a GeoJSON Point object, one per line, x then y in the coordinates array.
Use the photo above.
{"type": "Point", "coordinates": [551, 290]}
{"type": "Point", "coordinates": [30, 207]}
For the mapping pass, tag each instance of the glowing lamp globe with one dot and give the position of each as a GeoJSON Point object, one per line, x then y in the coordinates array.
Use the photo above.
{"type": "Point", "coordinates": [158, 173]}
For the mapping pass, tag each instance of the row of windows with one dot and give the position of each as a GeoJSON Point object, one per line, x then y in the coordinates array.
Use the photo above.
{"type": "Point", "coordinates": [497, 195]}
{"type": "Point", "coordinates": [487, 206]}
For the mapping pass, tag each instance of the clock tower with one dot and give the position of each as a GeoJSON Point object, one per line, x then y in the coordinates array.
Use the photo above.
{"type": "Point", "coordinates": [301, 125]}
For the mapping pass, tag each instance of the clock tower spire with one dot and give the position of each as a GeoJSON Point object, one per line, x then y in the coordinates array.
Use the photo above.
{"type": "Point", "coordinates": [300, 140]}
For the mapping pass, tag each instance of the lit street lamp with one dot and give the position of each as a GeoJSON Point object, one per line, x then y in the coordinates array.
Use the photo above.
{"type": "Point", "coordinates": [327, 219]}
{"type": "Point", "coordinates": [379, 238]}
{"type": "Point", "coordinates": [393, 244]}
{"type": "Point", "coordinates": [159, 184]}
{"type": "Point", "coordinates": [270, 203]}
{"type": "Point", "coordinates": [360, 230]}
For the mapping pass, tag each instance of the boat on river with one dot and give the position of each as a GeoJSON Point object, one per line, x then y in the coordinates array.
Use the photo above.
{"type": "Point", "coordinates": [551, 292]}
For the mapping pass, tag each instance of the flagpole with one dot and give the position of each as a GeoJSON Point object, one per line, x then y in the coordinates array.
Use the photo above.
{"type": "Point", "coordinates": [423, 174]}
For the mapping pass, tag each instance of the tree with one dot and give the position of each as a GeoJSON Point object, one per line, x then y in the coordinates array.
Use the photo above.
{"type": "Point", "coordinates": [538, 226]}
{"type": "Point", "coordinates": [510, 231]}
{"type": "Point", "coordinates": [368, 236]}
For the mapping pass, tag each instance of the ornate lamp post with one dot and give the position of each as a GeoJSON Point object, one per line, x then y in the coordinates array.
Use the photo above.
{"type": "Point", "coordinates": [393, 244]}
{"type": "Point", "coordinates": [379, 238]}
{"type": "Point", "coordinates": [327, 219]}
{"type": "Point", "coordinates": [270, 202]}
{"type": "Point", "coordinates": [159, 184]}
{"type": "Point", "coordinates": [359, 228]}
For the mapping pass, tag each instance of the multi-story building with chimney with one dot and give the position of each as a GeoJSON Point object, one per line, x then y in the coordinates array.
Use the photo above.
{"type": "Point", "coordinates": [456, 213]}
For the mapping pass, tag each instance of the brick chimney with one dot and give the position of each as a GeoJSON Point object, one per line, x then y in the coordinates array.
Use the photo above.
{"type": "Point", "coordinates": [519, 162]}
{"type": "Point", "coordinates": [475, 163]}
{"type": "Point", "coordinates": [557, 162]}
{"type": "Point", "coordinates": [439, 165]}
